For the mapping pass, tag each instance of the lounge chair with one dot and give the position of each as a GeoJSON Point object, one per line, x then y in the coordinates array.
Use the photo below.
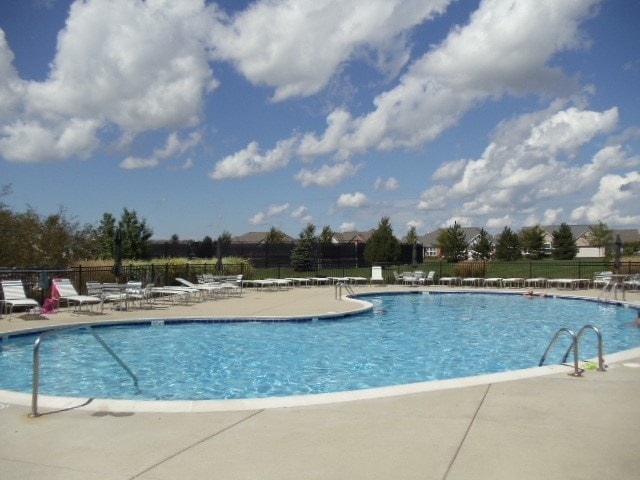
{"type": "Point", "coordinates": [15, 296]}
{"type": "Point", "coordinates": [376, 275]}
{"type": "Point", "coordinates": [209, 288]}
{"type": "Point", "coordinates": [63, 290]}
{"type": "Point", "coordinates": [633, 283]}
{"type": "Point", "coordinates": [429, 279]}
{"type": "Point", "coordinates": [602, 279]}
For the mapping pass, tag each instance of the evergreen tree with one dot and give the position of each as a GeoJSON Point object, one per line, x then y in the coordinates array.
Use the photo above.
{"type": "Point", "coordinates": [508, 246]}
{"type": "Point", "coordinates": [453, 243]}
{"type": "Point", "coordinates": [532, 240]}
{"type": "Point", "coordinates": [135, 235]}
{"type": "Point", "coordinates": [104, 235]}
{"type": "Point", "coordinates": [564, 245]}
{"type": "Point", "coordinates": [326, 236]}
{"type": "Point", "coordinates": [382, 246]}
{"type": "Point", "coordinates": [483, 248]}
{"type": "Point", "coordinates": [301, 253]}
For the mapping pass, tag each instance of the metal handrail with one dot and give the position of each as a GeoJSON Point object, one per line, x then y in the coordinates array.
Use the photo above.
{"type": "Point", "coordinates": [346, 286]}
{"type": "Point", "coordinates": [601, 365]}
{"type": "Point", "coordinates": [577, 372]}
{"type": "Point", "coordinates": [36, 362]}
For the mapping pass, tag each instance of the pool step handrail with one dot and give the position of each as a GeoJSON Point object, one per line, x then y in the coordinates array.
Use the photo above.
{"type": "Point", "coordinates": [577, 372]}
{"type": "Point", "coordinates": [596, 330]}
{"type": "Point", "coordinates": [346, 286]}
{"type": "Point", "coordinates": [575, 340]}
{"type": "Point", "coordinates": [36, 362]}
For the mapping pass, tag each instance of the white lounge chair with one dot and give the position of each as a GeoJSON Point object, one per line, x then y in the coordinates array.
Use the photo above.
{"type": "Point", "coordinates": [209, 288]}
{"type": "Point", "coordinates": [376, 275]}
{"type": "Point", "coordinates": [63, 290]}
{"type": "Point", "coordinates": [15, 296]}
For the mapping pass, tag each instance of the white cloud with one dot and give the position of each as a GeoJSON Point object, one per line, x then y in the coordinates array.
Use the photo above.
{"type": "Point", "coordinates": [570, 129]}
{"type": "Point", "coordinates": [135, 66]}
{"type": "Point", "coordinates": [174, 146]}
{"type": "Point", "coordinates": [277, 209]}
{"type": "Point", "coordinates": [273, 211]}
{"type": "Point", "coordinates": [515, 176]}
{"type": "Point", "coordinates": [616, 194]}
{"type": "Point", "coordinates": [389, 184]}
{"type": "Point", "coordinates": [352, 200]}
{"type": "Point", "coordinates": [449, 170]}
{"type": "Point", "coordinates": [347, 227]}
{"type": "Point", "coordinates": [296, 47]}
{"type": "Point", "coordinates": [301, 213]}
{"type": "Point", "coordinates": [251, 161]}
{"type": "Point", "coordinates": [504, 49]}
{"type": "Point", "coordinates": [327, 176]}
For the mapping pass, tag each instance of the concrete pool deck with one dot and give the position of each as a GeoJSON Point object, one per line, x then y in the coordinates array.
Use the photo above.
{"type": "Point", "coordinates": [549, 426]}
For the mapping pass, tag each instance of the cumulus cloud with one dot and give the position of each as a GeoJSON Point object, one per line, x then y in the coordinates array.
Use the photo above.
{"type": "Point", "coordinates": [616, 194]}
{"type": "Point", "coordinates": [174, 146]}
{"type": "Point", "coordinates": [327, 175]}
{"type": "Point", "coordinates": [352, 200]}
{"type": "Point", "coordinates": [389, 184]}
{"type": "Point", "coordinates": [251, 161]}
{"type": "Point", "coordinates": [347, 227]}
{"type": "Point", "coordinates": [274, 210]}
{"type": "Point", "coordinates": [504, 49]}
{"type": "Point", "coordinates": [297, 47]}
{"type": "Point", "coordinates": [135, 66]}
{"type": "Point", "coordinates": [515, 175]}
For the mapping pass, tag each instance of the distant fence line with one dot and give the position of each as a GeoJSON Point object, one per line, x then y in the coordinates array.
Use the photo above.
{"type": "Point", "coordinates": [38, 281]}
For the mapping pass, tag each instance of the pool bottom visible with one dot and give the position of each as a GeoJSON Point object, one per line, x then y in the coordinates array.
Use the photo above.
{"type": "Point", "coordinates": [50, 404]}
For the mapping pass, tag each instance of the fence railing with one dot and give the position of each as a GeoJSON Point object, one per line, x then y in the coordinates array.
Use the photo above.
{"type": "Point", "coordinates": [38, 281]}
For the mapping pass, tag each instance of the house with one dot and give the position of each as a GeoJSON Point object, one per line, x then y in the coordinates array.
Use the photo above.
{"type": "Point", "coordinates": [430, 241]}
{"type": "Point", "coordinates": [352, 237]}
{"type": "Point", "coordinates": [259, 238]}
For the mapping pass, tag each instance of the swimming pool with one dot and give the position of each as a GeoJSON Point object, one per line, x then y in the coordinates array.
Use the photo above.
{"type": "Point", "coordinates": [405, 338]}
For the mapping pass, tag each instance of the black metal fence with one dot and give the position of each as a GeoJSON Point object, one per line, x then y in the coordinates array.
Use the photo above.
{"type": "Point", "coordinates": [38, 281]}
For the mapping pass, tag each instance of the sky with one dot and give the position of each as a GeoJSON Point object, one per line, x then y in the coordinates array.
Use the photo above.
{"type": "Point", "coordinates": [240, 116]}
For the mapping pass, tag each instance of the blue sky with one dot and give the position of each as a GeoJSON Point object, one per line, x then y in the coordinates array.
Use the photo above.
{"type": "Point", "coordinates": [240, 116]}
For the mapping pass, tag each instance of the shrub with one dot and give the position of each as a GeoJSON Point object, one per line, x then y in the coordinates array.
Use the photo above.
{"type": "Point", "coordinates": [470, 269]}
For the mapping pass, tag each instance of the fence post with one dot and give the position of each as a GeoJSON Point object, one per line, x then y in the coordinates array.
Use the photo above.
{"type": "Point", "coordinates": [80, 278]}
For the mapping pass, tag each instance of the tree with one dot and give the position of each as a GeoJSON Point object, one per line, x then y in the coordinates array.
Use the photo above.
{"type": "Point", "coordinates": [563, 244]}
{"type": "Point", "coordinates": [104, 236]}
{"type": "Point", "coordinates": [135, 235]}
{"type": "Point", "coordinates": [600, 236]}
{"type": "Point", "coordinates": [222, 243]}
{"type": "Point", "coordinates": [326, 236]}
{"type": "Point", "coordinates": [301, 253]}
{"type": "Point", "coordinates": [532, 240]}
{"type": "Point", "coordinates": [382, 245]}
{"type": "Point", "coordinates": [483, 248]}
{"type": "Point", "coordinates": [274, 236]}
{"type": "Point", "coordinates": [412, 239]}
{"type": "Point", "coordinates": [508, 246]}
{"type": "Point", "coordinates": [175, 239]}
{"type": "Point", "coordinates": [453, 243]}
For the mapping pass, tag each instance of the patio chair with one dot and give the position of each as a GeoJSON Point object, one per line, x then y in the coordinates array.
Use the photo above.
{"type": "Point", "coordinates": [63, 290]}
{"type": "Point", "coordinates": [376, 275]}
{"type": "Point", "coordinates": [15, 296]}
{"type": "Point", "coordinates": [429, 279]}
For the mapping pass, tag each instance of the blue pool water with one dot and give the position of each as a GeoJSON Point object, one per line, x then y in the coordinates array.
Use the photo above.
{"type": "Point", "coordinates": [404, 339]}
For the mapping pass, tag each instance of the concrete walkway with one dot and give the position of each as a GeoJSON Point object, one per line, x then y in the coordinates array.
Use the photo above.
{"type": "Point", "coordinates": [545, 427]}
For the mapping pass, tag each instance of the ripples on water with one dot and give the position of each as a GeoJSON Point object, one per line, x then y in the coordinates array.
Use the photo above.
{"type": "Point", "coordinates": [404, 339]}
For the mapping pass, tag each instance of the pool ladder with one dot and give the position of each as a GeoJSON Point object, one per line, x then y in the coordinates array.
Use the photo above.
{"type": "Point", "coordinates": [575, 340]}
{"type": "Point", "coordinates": [36, 362]}
{"type": "Point", "coordinates": [346, 286]}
